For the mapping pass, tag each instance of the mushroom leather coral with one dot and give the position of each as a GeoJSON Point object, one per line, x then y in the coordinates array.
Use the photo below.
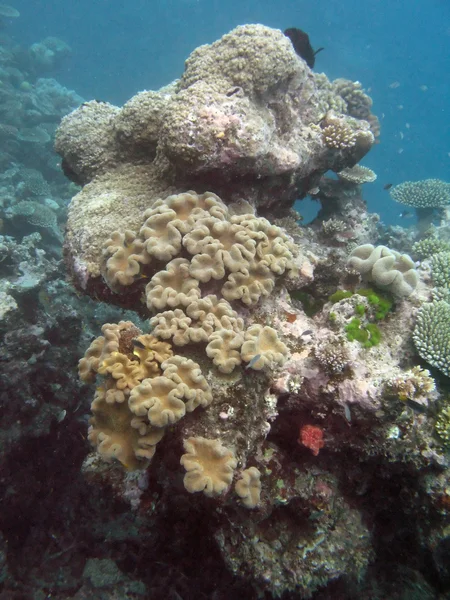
{"type": "Point", "coordinates": [209, 466]}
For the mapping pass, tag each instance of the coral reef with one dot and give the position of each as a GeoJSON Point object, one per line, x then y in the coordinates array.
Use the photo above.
{"type": "Point", "coordinates": [207, 131]}
{"type": "Point", "coordinates": [261, 425]}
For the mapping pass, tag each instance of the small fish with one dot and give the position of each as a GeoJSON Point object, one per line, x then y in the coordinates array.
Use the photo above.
{"type": "Point", "coordinates": [302, 45]}
{"type": "Point", "coordinates": [416, 406]}
{"type": "Point", "coordinates": [387, 186]}
{"type": "Point", "coordinates": [253, 361]}
{"type": "Point", "coordinates": [307, 332]}
{"type": "Point", "coordinates": [138, 344]}
{"type": "Point", "coordinates": [347, 413]}
{"type": "Point", "coordinates": [406, 214]}
{"type": "Point", "coordinates": [394, 85]}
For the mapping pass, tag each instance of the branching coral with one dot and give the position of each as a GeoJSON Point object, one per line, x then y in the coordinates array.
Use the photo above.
{"type": "Point", "coordinates": [432, 334]}
{"type": "Point", "coordinates": [428, 193]}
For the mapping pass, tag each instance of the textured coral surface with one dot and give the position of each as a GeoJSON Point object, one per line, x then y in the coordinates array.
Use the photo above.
{"type": "Point", "coordinates": [251, 420]}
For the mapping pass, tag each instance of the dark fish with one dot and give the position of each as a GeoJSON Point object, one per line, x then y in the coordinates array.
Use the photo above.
{"type": "Point", "coordinates": [406, 214]}
{"type": "Point", "coordinates": [138, 344]}
{"type": "Point", "coordinates": [307, 332]}
{"type": "Point", "coordinates": [416, 406]}
{"type": "Point", "coordinates": [387, 186]}
{"type": "Point", "coordinates": [302, 45]}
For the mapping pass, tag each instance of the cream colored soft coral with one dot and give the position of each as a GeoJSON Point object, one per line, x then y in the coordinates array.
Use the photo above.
{"type": "Point", "coordinates": [214, 313]}
{"type": "Point", "coordinates": [115, 336]}
{"type": "Point", "coordinates": [248, 487]}
{"type": "Point", "coordinates": [126, 255]}
{"type": "Point", "coordinates": [177, 325]}
{"type": "Point", "coordinates": [159, 399]}
{"type": "Point", "coordinates": [223, 348]}
{"type": "Point", "coordinates": [190, 380]}
{"type": "Point", "coordinates": [250, 284]}
{"type": "Point", "coordinates": [161, 238]}
{"type": "Point", "coordinates": [209, 466]}
{"type": "Point", "coordinates": [218, 245]}
{"type": "Point", "coordinates": [172, 287]}
{"type": "Point", "coordinates": [119, 434]}
{"type": "Point", "coordinates": [262, 348]}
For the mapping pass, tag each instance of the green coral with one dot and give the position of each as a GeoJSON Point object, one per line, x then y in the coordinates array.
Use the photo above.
{"type": "Point", "coordinates": [432, 334]}
{"type": "Point", "coordinates": [382, 304]}
{"type": "Point", "coordinates": [428, 193]}
{"type": "Point", "coordinates": [427, 247]}
{"type": "Point", "coordinates": [367, 334]}
{"type": "Point", "coordinates": [340, 295]}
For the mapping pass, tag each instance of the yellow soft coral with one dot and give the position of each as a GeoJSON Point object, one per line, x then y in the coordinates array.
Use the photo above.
{"type": "Point", "coordinates": [126, 255]}
{"type": "Point", "coordinates": [248, 487]}
{"type": "Point", "coordinates": [159, 399]}
{"type": "Point", "coordinates": [209, 466]}
{"type": "Point", "coordinates": [119, 434]}
{"type": "Point", "coordinates": [172, 287]}
{"type": "Point", "coordinates": [262, 348]}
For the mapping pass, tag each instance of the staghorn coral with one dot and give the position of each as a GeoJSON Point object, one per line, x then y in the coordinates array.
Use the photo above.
{"type": "Point", "coordinates": [432, 334]}
{"type": "Point", "coordinates": [415, 384]}
{"type": "Point", "coordinates": [428, 193]}
{"type": "Point", "coordinates": [341, 133]}
{"type": "Point", "coordinates": [442, 425]}
{"type": "Point", "coordinates": [248, 487]}
{"type": "Point", "coordinates": [387, 268]}
{"type": "Point", "coordinates": [333, 355]}
{"type": "Point", "coordinates": [209, 466]}
{"type": "Point", "coordinates": [262, 348]}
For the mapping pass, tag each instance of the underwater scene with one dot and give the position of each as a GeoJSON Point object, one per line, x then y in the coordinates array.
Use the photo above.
{"type": "Point", "coordinates": [225, 300]}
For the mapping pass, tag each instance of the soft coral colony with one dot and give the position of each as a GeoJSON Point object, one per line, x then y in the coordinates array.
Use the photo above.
{"type": "Point", "coordinates": [233, 372]}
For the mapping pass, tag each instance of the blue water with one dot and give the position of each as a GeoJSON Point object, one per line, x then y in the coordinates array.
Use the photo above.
{"type": "Point", "coordinates": [399, 50]}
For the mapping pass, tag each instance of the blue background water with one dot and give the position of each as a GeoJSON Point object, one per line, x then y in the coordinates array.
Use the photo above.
{"type": "Point", "coordinates": [122, 46]}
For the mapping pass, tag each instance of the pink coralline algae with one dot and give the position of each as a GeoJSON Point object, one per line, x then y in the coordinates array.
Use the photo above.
{"type": "Point", "coordinates": [311, 437]}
